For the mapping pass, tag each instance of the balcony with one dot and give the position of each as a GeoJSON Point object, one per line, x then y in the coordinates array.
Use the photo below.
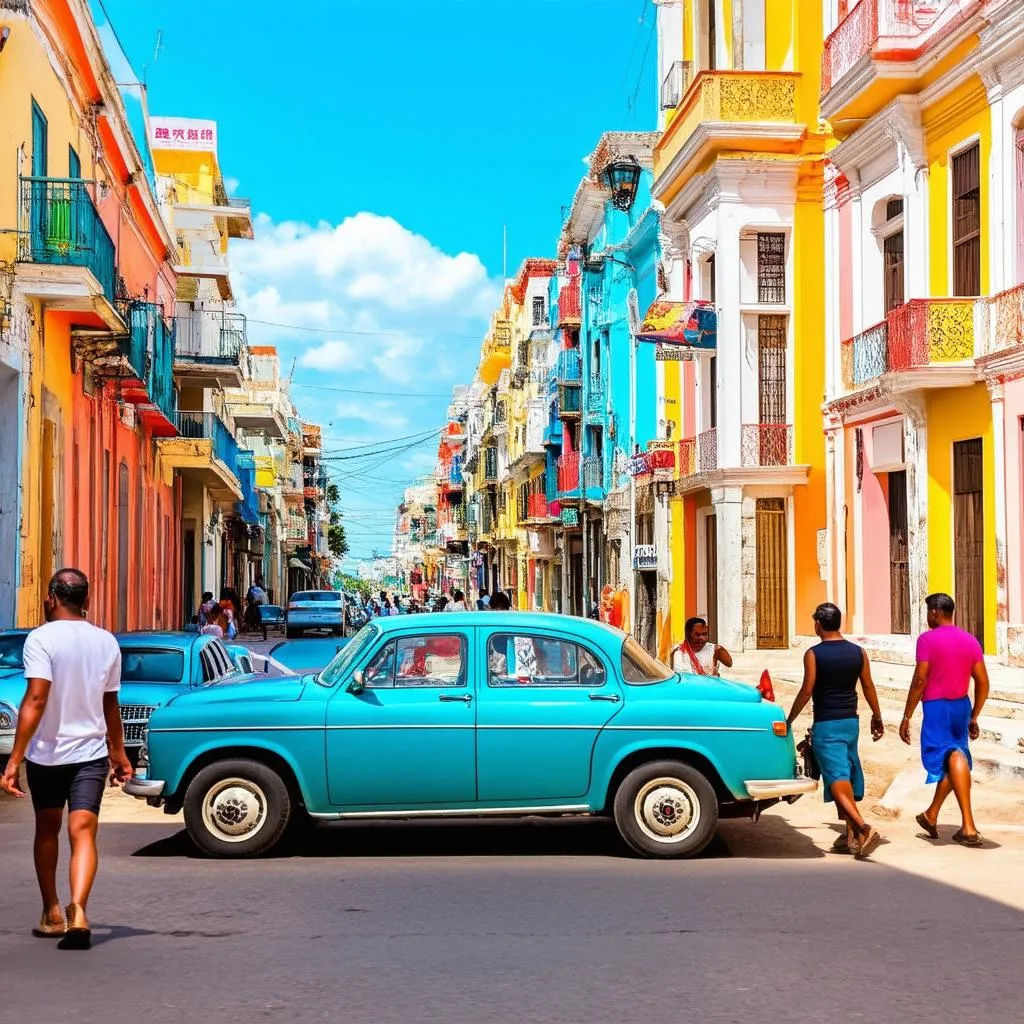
{"type": "Point", "coordinates": [727, 111]}
{"type": "Point", "coordinates": [595, 396]}
{"type": "Point", "coordinates": [67, 258]}
{"type": "Point", "coordinates": [540, 510]}
{"type": "Point", "coordinates": [569, 475]}
{"type": "Point", "coordinates": [497, 352]}
{"type": "Point", "coordinates": [536, 417]}
{"type": "Point", "coordinates": [142, 366]}
{"type": "Point", "coordinates": [553, 426]}
{"type": "Point", "coordinates": [499, 424]}
{"type": "Point", "coordinates": [569, 368]}
{"type": "Point", "coordinates": [926, 342]}
{"type": "Point", "coordinates": [766, 444]}
{"type": "Point", "coordinates": [490, 465]}
{"type": "Point", "coordinates": [202, 258]}
{"type": "Point", "coordinates": [674, 84]}
{"type": "Point", "coordinates": [209, 348]}
{"type": "Point", "coordinates": [569, 402]}
{"type": "Point", "coordinates": [204, 450]}
{"type": "Point", "coordinates": [254, 412]}
{"type": "Point", "coordinates": [876, 33]}
{"type": "Point", "coordinates": [248, 507]}
{"type": "Point", "coordinates": [1004, 326]}
{"type": "Point", "coordinates": [234, 210]}
{"type": "Point", "coordinates": [569, 304]}
{"type": "Point", "coordinates": [658, 462]}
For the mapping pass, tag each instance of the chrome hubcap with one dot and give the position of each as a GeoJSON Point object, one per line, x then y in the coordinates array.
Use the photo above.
{"type": "Point", "coordinates": [667, 810]}
{"type": "Point", "coordinates": [234, 809]}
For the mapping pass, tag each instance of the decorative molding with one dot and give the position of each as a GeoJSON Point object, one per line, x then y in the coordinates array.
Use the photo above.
{"type": "Point", "coordinates": [913, 407]}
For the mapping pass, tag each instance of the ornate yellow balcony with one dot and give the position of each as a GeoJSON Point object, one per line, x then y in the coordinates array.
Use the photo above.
{"type": "Point", "coordinates": [727, 111]}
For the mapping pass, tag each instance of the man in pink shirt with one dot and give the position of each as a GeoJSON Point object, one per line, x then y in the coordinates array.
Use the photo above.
{"type": "Point", "coordinates": [948, 658]}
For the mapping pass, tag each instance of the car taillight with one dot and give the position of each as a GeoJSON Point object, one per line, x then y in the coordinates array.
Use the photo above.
{"type": "Point", "coordinates": [765, 688]}
{"type": "Point", "coordinates": [292, 606]}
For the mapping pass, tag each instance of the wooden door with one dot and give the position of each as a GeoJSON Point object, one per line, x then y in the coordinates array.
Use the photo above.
{"type": "Point", "coordinates": [711, 574]}
{"type": "Point", "coordinates": [899, 554]}
{"type": "Point", "coordinates": [772, 573]}
{"type": "Point", "coordinates": [969, 537]}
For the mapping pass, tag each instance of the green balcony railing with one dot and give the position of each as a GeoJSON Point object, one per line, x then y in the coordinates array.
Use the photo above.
{"type": "Point", "coordinates": [149, 347]}
{"type": "Point", "coordinates": [58, 224]}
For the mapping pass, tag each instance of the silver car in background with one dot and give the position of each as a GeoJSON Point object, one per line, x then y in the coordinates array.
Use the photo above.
{"type": "Point", "coordinates": [315, 609]}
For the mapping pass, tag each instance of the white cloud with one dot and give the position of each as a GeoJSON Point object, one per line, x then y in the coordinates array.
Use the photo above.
{"type": "Point", "coordinates": [381, 414]}
{"type": "Point", "coordinates": [333, 355]}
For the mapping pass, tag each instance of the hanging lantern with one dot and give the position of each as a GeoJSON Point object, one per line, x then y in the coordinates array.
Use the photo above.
{"type": "Point", "coordinates": [623, 178]}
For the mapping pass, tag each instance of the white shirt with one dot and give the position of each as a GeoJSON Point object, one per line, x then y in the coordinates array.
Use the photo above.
{"type": "Point", "coordinates": [82, 663]}
{"type": "Point", "coordinates": [705, 658]}
{"type": "Point", "coordinates": [455, 606]}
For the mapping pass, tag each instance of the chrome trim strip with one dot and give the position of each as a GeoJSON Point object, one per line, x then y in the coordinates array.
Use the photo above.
{"type": "Point", "coordinates": [472, 812]}
{"type": "Point", "coordinates": [349, 728]}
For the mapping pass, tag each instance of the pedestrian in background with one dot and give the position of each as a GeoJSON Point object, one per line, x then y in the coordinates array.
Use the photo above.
{"type": "Point", "coordinates": [832, 670]}
{"type": "Point", "coordinates": [948, 658]}
{"type": "Point", "coordinates": [70, 737]}
{"type": "Point", "coordinates": [696, 653]}
{"type": "Point", "coordinates": [483, 601]}
{"type": "Point", "coordinates": [499, 602]}
{"type": "Point", "coordinates": [206, 608]}
{"type": "Point", "coordinates": [458, 602]}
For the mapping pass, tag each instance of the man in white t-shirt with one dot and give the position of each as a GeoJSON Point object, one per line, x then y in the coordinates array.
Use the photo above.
{"type": "Point", "coordinates": [70, 737]}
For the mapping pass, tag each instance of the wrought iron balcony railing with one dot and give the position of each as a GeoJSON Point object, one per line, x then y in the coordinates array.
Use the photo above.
{"type": "Point", "coordinates": [149, 349]}
{"type": "Point", "coordinates": [58, 224]}
{"type": "Point", "coordinates": [569, 305]}
{"type": "Point", "coordinates": [569, 473]}
{"type": "Point", "coordinates": [593, 474]}
{"type": "Point", "coordinates": [209, 426]}
{"type": "Point", "coordinates": [491, 465]}
{"type": "Point", "coordinates": [766, 444]}
{"type": "Point", "coordinates": [569, 368]}
{"type": "Point", "coordinates": [595, 395]}
{"type": "Point", "coordinates": [1004, 327]}
{"type": "Point", "coordinates": [673, 85]}
{"type": "Point", "coordinates": [210, 337]}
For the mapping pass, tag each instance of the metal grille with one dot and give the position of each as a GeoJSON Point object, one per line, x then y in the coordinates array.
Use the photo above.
{"type": "Point", "coordinates": [968, 536]}
{"type": "Point", "coordinates": [771, 267]}
{"type": "Point", "coordinates": [967, 222]}
{"type": "Point", "coordinates": [771, 359]}
{"type": "Point", "coordinates": [772, 596]}
{"type": "Point", "coordinates": [134, 719]}
{"type": "Point", "coordinates": [899, 554]}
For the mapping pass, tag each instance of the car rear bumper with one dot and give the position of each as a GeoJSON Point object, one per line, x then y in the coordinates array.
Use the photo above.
{"type": "Point", "coordinates": [299, 621]}
{"type": "Point", "coordinates": [779, 789]}
{"type": "Point", "coordinates": [145, 789]}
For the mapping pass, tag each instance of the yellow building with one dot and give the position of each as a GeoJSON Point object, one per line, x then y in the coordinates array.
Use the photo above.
{"type": "Point", "coordinates": [738, 169]}
{"type": "Point", "coordinates": [925, 236]}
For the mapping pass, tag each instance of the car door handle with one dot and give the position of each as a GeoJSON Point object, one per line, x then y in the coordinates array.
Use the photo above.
{"type": "Point", "coordinates": [465, 698]}
{"type": "Point", "coordinates": [613, 697]}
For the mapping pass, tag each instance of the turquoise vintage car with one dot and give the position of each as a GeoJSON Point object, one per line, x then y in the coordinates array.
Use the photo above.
{"type": "Point", "coordinates": [473, 714]}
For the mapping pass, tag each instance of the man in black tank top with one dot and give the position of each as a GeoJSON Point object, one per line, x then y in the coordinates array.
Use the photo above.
{"type": "Point", "coordinates": [832, 670]}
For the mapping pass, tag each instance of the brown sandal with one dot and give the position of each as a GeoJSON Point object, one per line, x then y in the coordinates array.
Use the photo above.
{"type": "Point", "coordinates": [868, 841]}
{"type": "Point", "coordinates": [964, 839]}
{"type": "Point", "coordinates": [933, 832]}
{"type": "Point", "coordinates": [78, 934]}
{"type": "Point", "coordinates": [49, 929]}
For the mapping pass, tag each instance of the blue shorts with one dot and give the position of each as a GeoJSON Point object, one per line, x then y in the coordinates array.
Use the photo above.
{"type": "Point", "coordinates": [79, 787]}
{"type": "Point", "coordinates": [943, 731]}
{"type": "Point", "coordinates": [835, 747]}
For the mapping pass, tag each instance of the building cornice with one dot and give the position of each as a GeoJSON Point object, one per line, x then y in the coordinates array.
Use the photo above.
{"type": "Point", "coordinates": [896, 124]}
{"type": "Point", "coordinates": [745, 476]}
{"type": "Point", "coordinates": [757, 182]}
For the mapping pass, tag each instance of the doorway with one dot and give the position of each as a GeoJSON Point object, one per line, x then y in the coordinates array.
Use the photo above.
{"type": "Point", "coordinates": [969, 537]}
{"type": "Point", "coordinates": [772, 573]}
{"type": "Point", "coordinates": [188, 575]}
{"type": "Point", "coordinates": [711, 573]}
{"type": "Point", "coordinates": [122, 547]}
{"type": "Point", "coordinates": [647, 612]}
{"type": "Point", "coordinates": [899, 554]}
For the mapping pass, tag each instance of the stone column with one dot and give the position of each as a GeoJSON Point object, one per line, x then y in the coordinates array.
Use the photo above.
{"type": "Point", "coordinates": [727, 503]}
{"type": "Point", "coordinates": [729, 364]}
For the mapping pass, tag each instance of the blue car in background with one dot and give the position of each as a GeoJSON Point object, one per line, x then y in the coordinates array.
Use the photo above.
{"type": "Point", "coordinates": [155, 666]}
{"type": "Point", "coordinates": [477, 714]}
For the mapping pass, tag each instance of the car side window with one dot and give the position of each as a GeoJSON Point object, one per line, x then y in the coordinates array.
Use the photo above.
{"type": "Point", "coordinates": [520, 659]}
{"type": "Point", "coordinates": [437, 660]}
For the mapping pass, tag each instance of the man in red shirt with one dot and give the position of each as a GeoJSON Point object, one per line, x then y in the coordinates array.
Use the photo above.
{"type": "Point", "coordinates": [948, 658]}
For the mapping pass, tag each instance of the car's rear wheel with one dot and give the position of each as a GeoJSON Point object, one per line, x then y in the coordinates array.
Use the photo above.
{"type": "Point", "coordinates": [666, 809]}
{"type": "Point", "coordinates": [237, 809]}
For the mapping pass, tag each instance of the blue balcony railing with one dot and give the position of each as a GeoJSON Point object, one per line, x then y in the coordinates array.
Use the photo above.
{"type": "Point", "coordinates": [149, 347]}
{"type": "Point", "coordinates": [58, 224]}
{"type": "Point", "coordinates": [249, 506]}
{"type": "Point", "coordinates": [209, 426]}
{"type": "Point", "coordinates": [210, 337]}
{"type": "Point", "coordinates": [569, 369]}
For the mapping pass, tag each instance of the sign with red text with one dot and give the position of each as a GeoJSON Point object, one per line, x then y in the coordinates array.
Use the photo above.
{"type": "Point", "coordinates": [183, 133]}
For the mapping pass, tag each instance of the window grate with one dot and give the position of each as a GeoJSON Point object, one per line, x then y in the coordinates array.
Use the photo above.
{"type": "Point", "coordinates": [771, 268]}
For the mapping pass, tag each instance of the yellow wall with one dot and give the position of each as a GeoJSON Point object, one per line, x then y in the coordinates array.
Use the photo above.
{"type": "Point", "coordinates": [956, 119]}
{"type": "Point", "coordinates": [957, 414]}
{"type": "Point", "coordinates": [194, 173]}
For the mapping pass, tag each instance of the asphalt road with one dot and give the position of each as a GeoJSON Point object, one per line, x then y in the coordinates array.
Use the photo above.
{"type": "Point", "coordinates": [541, 921]}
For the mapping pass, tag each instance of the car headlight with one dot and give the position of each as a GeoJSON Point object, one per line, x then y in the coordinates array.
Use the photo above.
{"type": "Point", "coordinates": [8, 717]}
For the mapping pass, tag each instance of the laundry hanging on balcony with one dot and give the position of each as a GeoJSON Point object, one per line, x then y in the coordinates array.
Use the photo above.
{"type": "Point", "coordinates": [692, 325]}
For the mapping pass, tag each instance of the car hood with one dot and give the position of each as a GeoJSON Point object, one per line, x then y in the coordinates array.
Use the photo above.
{"type": "Point", "coordinates": [688, 686]}
{"type": "Point", "coordinates": [255, 687]}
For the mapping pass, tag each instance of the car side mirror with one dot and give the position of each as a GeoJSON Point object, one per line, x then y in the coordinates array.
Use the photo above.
{"type": "Point", "coordinates": [358, 683]}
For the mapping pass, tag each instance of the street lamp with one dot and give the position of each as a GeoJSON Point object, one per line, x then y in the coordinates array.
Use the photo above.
{"type": "Point", "coordinates": [623, 178]}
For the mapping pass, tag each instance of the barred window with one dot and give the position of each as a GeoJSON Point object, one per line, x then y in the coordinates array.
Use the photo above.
{"type": "Point", "coordinates": [771, 268]}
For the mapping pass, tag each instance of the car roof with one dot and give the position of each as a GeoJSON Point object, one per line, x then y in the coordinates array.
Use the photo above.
{"type": "Point", "coordinates": [503, 621]}
{"type": "Point", "coordinates": [155, 637]}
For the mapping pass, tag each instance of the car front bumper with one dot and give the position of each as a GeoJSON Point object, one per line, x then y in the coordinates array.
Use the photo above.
{"type": "Point", "coordinates": [150, 790]}
{"type": "Point", "coordinates": [779, 789]}
{"type": "Point", "coordinates": [6, 742]}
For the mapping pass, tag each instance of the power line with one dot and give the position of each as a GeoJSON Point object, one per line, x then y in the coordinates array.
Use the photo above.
{"type": "Point", "coordinates": [631, 103]}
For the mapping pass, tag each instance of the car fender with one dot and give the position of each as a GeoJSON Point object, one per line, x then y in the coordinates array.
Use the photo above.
{"type": "Point", "coordinates": [612, 750]}
{"type": "Point", "coordinates": [205, 751]}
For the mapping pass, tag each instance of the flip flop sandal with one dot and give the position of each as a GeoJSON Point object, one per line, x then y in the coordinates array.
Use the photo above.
{"type": "Point", "coordinates": [869, 840]}
{"type": "Point", "coordinates": [77, 936]}
{"type": "Point", "coordinates": [933, 832]}
{"type": "Point", "coordinates": [842, 845]}
{"type": "Point", "coordinates": [49, 929]}
{"type": "Point", "coordinates": [963, 839]}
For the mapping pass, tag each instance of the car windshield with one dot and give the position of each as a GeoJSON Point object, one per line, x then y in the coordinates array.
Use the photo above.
{"type": "Point", "coordinates": [639, 667]}
{"type": "Point", "coordinates": [330, 596]}
{"type": "Point", "coordinates": [151, 665]}
{"type": "Point", "coordinates": [11, 647]}
{"type": "Point", "coordinates": [337, 669]}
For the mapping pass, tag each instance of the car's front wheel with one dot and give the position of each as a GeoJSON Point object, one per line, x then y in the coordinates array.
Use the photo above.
{"type": "Point", "coordinates": [666, 809]}
{"type": "Point", "coordinates": [237, 809]}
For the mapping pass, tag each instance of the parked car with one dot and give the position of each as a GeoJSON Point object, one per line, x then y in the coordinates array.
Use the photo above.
{"type": "Point", "coordinates": [271, 617]}
{"type": "Point", "coordinates": [315, 609]}
{"type": "Point", "coordinates": [497, 713]}
{"type": "Point", "coordinates": [155, 666]}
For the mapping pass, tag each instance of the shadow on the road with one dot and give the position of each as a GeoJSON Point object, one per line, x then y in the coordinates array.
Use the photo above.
{"type": "Point", "coordinates": [771, 838]}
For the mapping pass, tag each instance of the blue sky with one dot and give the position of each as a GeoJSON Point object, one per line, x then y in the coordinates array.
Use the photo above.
{"type": "Point", "coordinates": [384, 146]}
